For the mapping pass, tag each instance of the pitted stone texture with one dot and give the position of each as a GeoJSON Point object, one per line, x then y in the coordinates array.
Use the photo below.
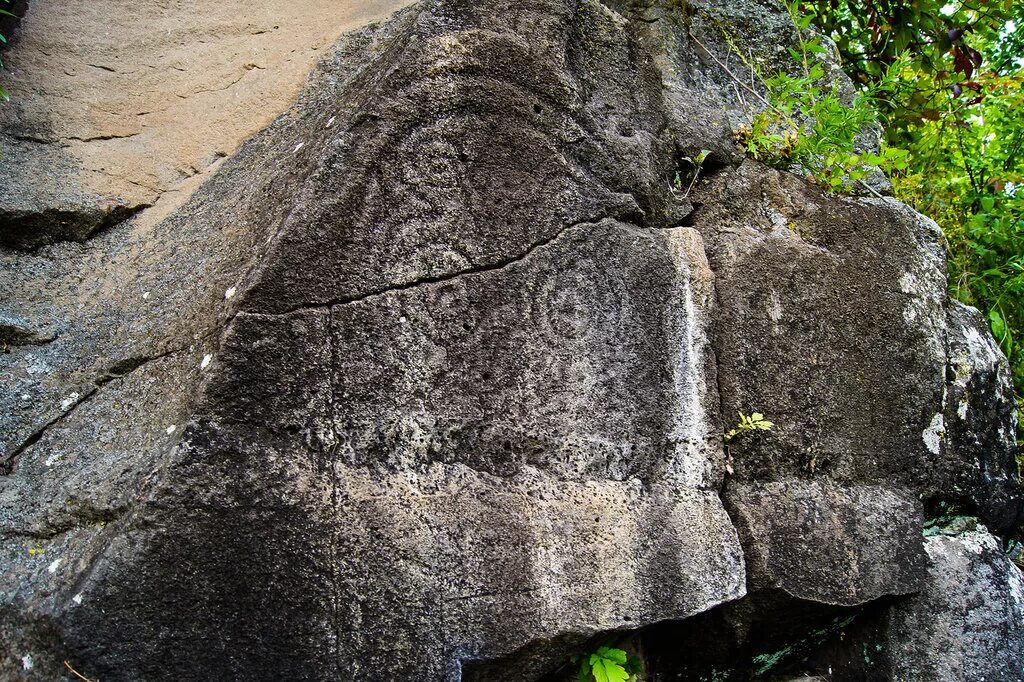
{"type": "Point", "coordinates": [148, 288]}
{"type": "Point", "coordinates": [441, 396]}
{"type": "Point", "coordinates": [529, 561]}
{"type": "Point", "coordinates": [491, 129]}
{"type": "Point", "coordinates": [294, 501]}
{"type": "Point", "coordinates": [588, 359]}
{"type": "Point", "coordinates": [968, 622]}
{"type": "Point", "coordinates": [87, 467]}
{"type": "Point", "coordinates": [978, 439]}
{"type": "Point", "coordinates": [411, 573]}
{"type": "Point", "coordinates": [819, 542]}
{"type": "Point", "coordinates": [831, 323]}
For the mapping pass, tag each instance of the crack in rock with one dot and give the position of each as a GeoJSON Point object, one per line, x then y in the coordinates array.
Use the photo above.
{"type": "Point", "coordinates": [118, 370]}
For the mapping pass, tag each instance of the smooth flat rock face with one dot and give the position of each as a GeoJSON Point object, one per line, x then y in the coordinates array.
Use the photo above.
{"type": "Point", "coordinates": [116, 108]}
{"type": "Point", "coordinates": [429, 378]}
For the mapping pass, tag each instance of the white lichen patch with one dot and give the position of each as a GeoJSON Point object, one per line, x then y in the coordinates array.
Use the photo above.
{"type": "Point", "coordinates": [915, 308]}
{"type": "Point", "coordinates": [689, 465]}
{"type": "Point", "coordinates": [934, 434]}
{"type": "Point", "coordinates": [298, 147]}
{"type": "Point", "coordinates": [171, 429]}
{"type": "Point", "coordinates": [145, 296]}
{"type": "Point", "coordinates": [961, 409]}
{"type": "Point", "coordinates": [908, 283]}
{"type": "Point", "coordinates": [69, 401]}
{"type": "Point", "coordinates": [207, 359]}
{"type": "Point", "coordinates": [229, 293]}
{"type": "Point", "coordinates": [35, 365]}
{"type": "Point", "coordinates": [26, 662]}
{"type": "Point", "coordinates": [983, 351]}
{"type": "Point", "coordinates": [779, 220]}
{"type": "Point", "coordinates": [54, 565]}
{"type": "Point", "coordinates": [52, 459]}
{"type": "Point", "coordinates": [774, 306]}
{"type": "Point", "coordinates": [330, 122]}
{"type": "Point", "coordinates": [77, 598]}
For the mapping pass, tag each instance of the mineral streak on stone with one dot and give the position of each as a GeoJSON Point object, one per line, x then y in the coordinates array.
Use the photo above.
{"type": "Point", "coordinates": [427, 379]}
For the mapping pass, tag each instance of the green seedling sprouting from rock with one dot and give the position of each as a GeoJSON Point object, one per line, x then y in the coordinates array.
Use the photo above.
{"type": "Point", "coordinates": [607, 665]}
{"type": "Point", "coordinates": [755, 422]}
{"type": "Point", "coordinates": [697, 162]}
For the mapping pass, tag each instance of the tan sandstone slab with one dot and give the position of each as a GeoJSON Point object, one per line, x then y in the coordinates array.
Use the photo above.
{"type": "Point", "coordinates": [147, 97]}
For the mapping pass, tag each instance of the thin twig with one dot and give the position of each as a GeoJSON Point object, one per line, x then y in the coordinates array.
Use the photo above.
{"type": "Point", "coordinates": [739, 97]}
{"type": "Point", "coordinates": [735, 78]}
{"type": "Point", "coordinates": [78, 674]}
{"type": "Point", "coordinates": [870, 189]}
{"type": "Point", "coordinates": [696, 175]}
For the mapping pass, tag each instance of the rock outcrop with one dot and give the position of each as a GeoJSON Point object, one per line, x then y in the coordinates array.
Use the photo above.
{"type": "Point", "coordinates": [428, 379]}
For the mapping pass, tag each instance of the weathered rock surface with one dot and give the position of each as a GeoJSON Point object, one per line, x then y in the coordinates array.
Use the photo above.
{"type": "Point", "coordinates": [428, 380]}
{"type": "Point", "coordinates": [819, 542]}
{"type": "Point", "coordinates": [978, 441]}
{"type": "Point", "coordinates": [964, 625]}
{"type": "Point", "coordinates": [968, 622]}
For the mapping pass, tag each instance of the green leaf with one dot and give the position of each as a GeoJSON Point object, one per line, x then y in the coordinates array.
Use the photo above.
{"type": "Point", "coordinates": [608, 671]}
{"type": "Point", "coordinates": [613, 655]}
{"type": "Point", "coordinates": [995, 319]}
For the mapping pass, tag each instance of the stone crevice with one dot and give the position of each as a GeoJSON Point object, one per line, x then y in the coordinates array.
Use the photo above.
{"type": "Point", "coordinates": [438, 279]}
{"type": "Point", "coordinates": [118, 370]}
{"type": "Point", "coordinates": [80, 519]}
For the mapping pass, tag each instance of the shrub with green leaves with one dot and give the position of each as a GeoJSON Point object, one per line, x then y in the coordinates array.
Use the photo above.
{"type": "Point", "coordinates": [805, 123]}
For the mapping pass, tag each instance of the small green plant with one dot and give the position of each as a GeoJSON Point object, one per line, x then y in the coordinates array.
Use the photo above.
{"type": "Point", "coordinates": [607, 664]}
{"type": "Point", "coordinates": [755, 422]}
{"type": "Point", "coordinates": [3, 39]}
{"type": "Point", "coordinates": [696, 163]}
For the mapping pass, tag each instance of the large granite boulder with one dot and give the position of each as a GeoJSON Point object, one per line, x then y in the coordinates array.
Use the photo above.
{"type": "Point", "coordinates": [429, 379]}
